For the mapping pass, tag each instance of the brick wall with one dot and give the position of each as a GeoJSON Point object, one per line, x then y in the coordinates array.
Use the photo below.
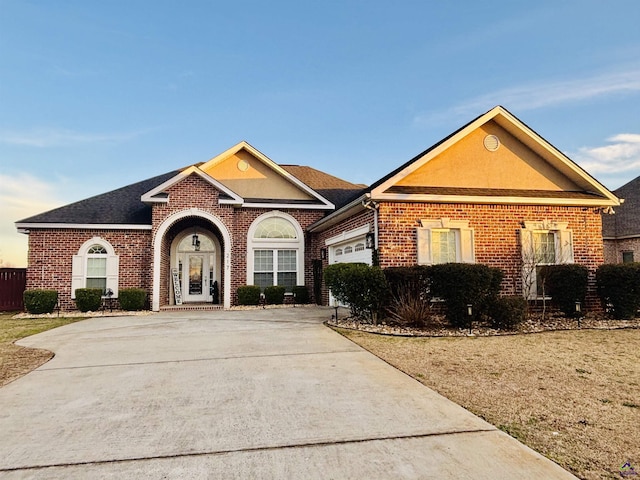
{"type": "Point", "coordinates": [51, 252]}
{"type": "Point", "coordinates": [496, 235]}
{"type": "Point", "coordinates": [613, 249]}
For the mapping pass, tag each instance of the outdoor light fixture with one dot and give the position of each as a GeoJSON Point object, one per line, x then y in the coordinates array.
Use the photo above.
{"type": "Point", "coordinates": [470, 315]}
{"type": "Point", "coordinates": [370, 240]}
{"type": "Point", "coordinates": [579, 312]}
{"type": "Point", "coordinates": [323, 254]}
{"type": "Point", "coordinates": [195, 241]}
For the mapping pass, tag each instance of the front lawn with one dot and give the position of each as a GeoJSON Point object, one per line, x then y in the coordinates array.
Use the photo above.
{"type": "Point", "coordinates": [16, 361]}
{"type": "Point", "coordinates": [573, 396]}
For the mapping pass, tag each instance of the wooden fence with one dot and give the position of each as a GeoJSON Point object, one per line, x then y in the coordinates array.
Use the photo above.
{"type": "Point", "coordinates": [12, 285]}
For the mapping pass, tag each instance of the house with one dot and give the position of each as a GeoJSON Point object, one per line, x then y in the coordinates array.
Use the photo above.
{"type": "Point", "coordinates": [493, 192]}
{"type": "Point", "coordinates": [621, 232]}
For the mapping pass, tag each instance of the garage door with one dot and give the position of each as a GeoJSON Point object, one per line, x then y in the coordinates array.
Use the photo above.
{"type": "Point", "coordinates": [351, 252]}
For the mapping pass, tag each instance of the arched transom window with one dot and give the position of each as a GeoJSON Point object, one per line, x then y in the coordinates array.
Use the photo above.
{"type": "Point", "coordinates": [275, 251]}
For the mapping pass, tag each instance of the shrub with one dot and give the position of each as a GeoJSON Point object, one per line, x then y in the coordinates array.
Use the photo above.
{"type": "Point", "coordinates": [40, 301]}
{"type": "Point", "coordinates": [619, 288]}
{"type": "Point", "coordinates": [274, 295]}
{"type": "Point", "coordinates": [132, 299]}
{"type": "Point", "coordinates": [463, 284]}
{"type": "Point", "coordinates": [413, 279]}
{"type": "Point", "coordinates": [567, 284]}
{"type": "Point", "coordinates": [301, 293]}
{"type": "Point", "coordinates": [507, 312]}
{"type": "Point", "coordinates": [88, 299]}
{"type": "Point", "coordinates": [410, 308]}
{"type": "Point", "coordinates": [215, 293]}
{"type": "Point", "coordinates": [360, 286]}
{"type": "Point", "coordinates": [249, 295]}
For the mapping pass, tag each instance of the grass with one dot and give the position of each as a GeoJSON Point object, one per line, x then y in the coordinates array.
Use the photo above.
{"type": "Point", "coordinates": [16, 361]}
{"type": "Point", "coordinates": [570, 395]}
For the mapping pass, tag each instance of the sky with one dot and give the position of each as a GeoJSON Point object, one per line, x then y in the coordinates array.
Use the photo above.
{"type": "Point", "coordinates": [96, 95]}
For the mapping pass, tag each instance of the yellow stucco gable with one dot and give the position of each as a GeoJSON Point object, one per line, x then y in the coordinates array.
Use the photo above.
{"type": "Point", "coordinates": [252, 177]}
{"type": "Point", "coordinates": [469, 164]}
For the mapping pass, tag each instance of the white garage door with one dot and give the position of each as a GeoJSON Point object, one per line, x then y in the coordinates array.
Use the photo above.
{"type": "Point", "coordinates": [351, 252]}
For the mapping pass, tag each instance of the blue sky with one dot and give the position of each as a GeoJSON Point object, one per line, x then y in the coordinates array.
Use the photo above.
{"type": "Point", "coordinates": [95, 95]}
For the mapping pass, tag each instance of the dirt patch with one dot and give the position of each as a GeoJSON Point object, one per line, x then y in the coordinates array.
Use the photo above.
{"type": "Point", "coordinates": [16, 361]}
{"type": "Point", "coordinates": [574, 396]}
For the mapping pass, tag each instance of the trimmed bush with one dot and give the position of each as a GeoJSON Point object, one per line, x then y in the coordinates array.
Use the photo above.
{"type": "Point", "coordinates": [506, 313]}
{"type": "Point", "coordinates": [413, 279]}
{"type": "Point", "coordinates": [88, 299]}
{"type": "Point", "coordinates": [619, 289]}
{"type": "Point", "coordinates": [132, 299]}
{"type": "Point", "coordinates": [215, 293]}
{"type": "Point", "coordinates": [358, 285]}
{"type": "Point", "coordinates": [274, 295]}
{"type": "Point", "coordinates": [463, 284]}
{"type": "Point", "coordinates": [40, 301]}
{"type": "Point", "coordinates": [249, 295]}
{"type": "Point", "coordinates": [301, 293]}
{"type": "Point", "coordinates": [567, 284]}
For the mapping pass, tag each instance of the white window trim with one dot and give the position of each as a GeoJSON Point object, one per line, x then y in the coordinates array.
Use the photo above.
{"type": "Point", "coordinates": [563, 251]}
{"type": "Point", "coordinates": [465, 244]}
{"type": "Point", "coordinates": [79, 266]}
{"type": "Point", "coordinates": [296, 244]}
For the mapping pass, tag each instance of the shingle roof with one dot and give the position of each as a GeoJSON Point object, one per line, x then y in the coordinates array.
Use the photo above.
{"type": "Point", "coordinates": [626, 221]}
{"type": "Point", "coordinates": [337, 191]}
{"type": "Point", "coordinates": [122, 206]}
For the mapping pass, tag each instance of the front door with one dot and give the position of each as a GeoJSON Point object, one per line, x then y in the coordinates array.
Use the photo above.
{"type": "Point", "coordinates": [195, 278]}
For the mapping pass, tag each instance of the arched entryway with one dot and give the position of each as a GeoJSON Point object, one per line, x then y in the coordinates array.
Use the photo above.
{"type": "Point", "coordinates": [191, 260]}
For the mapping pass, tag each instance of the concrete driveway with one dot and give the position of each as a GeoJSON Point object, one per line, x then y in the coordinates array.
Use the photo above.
{"type": "Point", "coordinates": [238, 394]}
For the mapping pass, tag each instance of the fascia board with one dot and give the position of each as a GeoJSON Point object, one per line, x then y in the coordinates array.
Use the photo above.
{"type": "Point", "coordinates": [149, 196]}
{"type": "Point", "coordinates": [287, 205]}
{"type": "Point", "coordinates": [394, 197]}
{"type": "Point", "coordinates": [271, 164]}
{"type": "Point", "coordinates": [436, 151]}
{"type": "Point", "coordinates": [24, 227]}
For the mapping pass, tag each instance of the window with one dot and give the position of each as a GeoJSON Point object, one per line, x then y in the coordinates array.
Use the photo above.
{"type": "Point", "coordinates": [445, 241]}
{"type": "Point", "coordinates": [543, 243]}
{"type": "Point", "coordinates": [627, 256]}
{"type": "Point", "coordinates": [95, 266]}
{"type": "Point", "coordinates": [275, 251]}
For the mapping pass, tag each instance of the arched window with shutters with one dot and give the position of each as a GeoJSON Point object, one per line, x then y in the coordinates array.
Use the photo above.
{"type": "Point", "coordinates": [95, 266]}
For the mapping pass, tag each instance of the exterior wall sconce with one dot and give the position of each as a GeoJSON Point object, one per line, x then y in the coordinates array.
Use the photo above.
{"type": "Point", "coordinates": [195, 241]}
{"type": "Point", "coordinates": [323, 254]}
{"type": "Point", "coordinates": [370, 240]}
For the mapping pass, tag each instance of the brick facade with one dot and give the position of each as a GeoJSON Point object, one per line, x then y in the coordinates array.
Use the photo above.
{"type": "Point", "coordinates": [496, 235]}
{"type": "Point", "coordinates": [51, 250]}
{"type": "Point", "coordinates": [613, 249]}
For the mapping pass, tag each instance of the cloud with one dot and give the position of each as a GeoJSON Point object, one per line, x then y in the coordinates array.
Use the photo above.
{"type": "Point", "coordinates": [21, 196]}
{"type": "Point", "coordinates": [51, 137]}
{"type": "Point", "coordinates": [622, 154]}
{"type": "Point", "coordinates": [539, 95]}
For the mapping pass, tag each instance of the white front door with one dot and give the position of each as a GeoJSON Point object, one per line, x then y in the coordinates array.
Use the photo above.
{"type": "Point", "coordinates": [195, 278]}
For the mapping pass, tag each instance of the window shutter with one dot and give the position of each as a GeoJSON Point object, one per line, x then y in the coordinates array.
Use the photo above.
{"type": "Point", "coordinates": [467, 253]}
{"type": "Point", "coordinates": [565, 247]}
{"type": "Point", "coordinates": [77, 274]}
{"type": "Point", "coordinates": [113, 263]}
{"type": "Point", "coordinates": [424, 246]}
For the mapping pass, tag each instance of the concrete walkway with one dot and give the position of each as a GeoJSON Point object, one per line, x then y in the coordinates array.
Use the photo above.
{"type": "Point", "coordinates": [238, 394]}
